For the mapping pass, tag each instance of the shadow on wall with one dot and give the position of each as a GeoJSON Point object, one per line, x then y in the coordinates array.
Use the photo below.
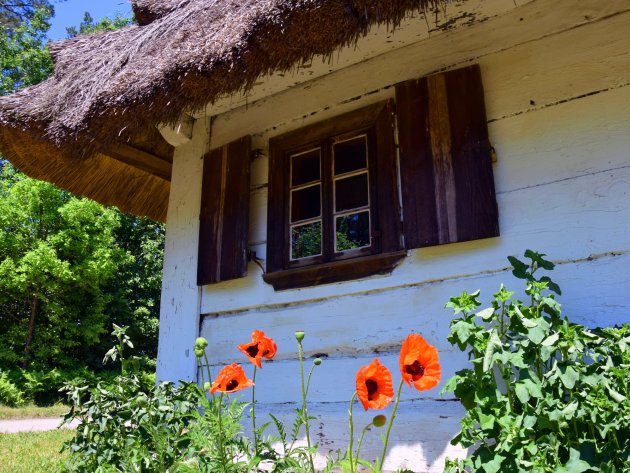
{"type": "Point", "coordinates": [420, 439]}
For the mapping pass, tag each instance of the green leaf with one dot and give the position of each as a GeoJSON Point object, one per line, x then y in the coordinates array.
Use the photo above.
{"type": "Point", "coordinates": [615, 395]}
{"type": "Point", "coordinates": [568, 376]}
{"type": "Point", "coordinates": [575, 464]}
{"type": "Point", "coordinates": [522, 393]}
{"type": "Point", "coordinates": [493, 344]}
{"type": "Point", "coordinates": [519, 268]}
{"type": "Point", "coordinates": [551, 340]}
{"type": "Point", "coordinates": [494, 465]}
{"type": "Point", "coordinates": [486, 314]}
{"type": "Point", "coordinates": [486, 421]}
{"type": "Point", "coordinates": [536, 334]}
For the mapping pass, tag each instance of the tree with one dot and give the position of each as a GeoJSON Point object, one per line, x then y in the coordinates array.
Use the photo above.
{"type": "Point", "coordinates": [57, 254]}
{"type": "Point", "coordinates": [105, 24]}
{"type": "Point", "coordinates": [16, 12]}
{"type": "Point", "coordinates": [69, 267]}
{"type": "Point", "coordinates": [24, 57]}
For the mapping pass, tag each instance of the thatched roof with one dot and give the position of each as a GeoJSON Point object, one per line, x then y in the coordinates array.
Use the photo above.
{"type": "Point", "coordinates": [115, 87]}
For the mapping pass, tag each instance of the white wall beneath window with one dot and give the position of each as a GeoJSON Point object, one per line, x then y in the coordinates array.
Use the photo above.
{"type": "Point", "coordinates": [557, 81]}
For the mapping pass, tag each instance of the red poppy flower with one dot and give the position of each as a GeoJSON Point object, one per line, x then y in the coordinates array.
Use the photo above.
{"type": "Point", "coordinates": [374, 386]}
{"type": "Point", "coordinates": [260, 347]}
{"type": "Point", "coordinates": [419, 364]}
{"type": "Point", "coordinates": [231, 379]}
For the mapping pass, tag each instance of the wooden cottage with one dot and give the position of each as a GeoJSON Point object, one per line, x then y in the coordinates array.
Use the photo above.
{"type": "Point", "coordinates": [344, 167]}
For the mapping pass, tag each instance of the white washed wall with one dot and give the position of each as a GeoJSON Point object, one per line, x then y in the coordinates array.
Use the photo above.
{"type": "Point", "coordinates": [557, 80]}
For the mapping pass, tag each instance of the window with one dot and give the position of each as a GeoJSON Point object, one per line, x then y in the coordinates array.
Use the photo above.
{"type": "Point", "coordinates": [333, 184]}
{"type": "Point", "coordinates": [329, 200]}
{"type": "Point", "coordinates": [334, 211]}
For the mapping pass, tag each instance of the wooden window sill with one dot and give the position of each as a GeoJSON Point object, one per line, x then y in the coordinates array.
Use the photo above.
{"type": "Point", "coordinates": [336, 271]}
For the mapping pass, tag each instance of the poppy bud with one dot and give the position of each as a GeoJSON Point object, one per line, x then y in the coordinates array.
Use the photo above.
{"type": "Point", "coordinates": [199, 352]}
{"type": "Point", "coordinates": [379, 420]}
{"type": "Point", "coordinates": [299, 336]}
{"type": "Point", "coordinates": [201, 343]}
{"type": "Point", "coordinates": [317, 361]}
{"type": "Point", "coordinates": [207, 386]}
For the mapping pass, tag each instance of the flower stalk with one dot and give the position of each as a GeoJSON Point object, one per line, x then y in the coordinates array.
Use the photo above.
{"type": "Point", "coordinates": [299, 336]}
{"type": "Point", "coordinates": [389, 426]}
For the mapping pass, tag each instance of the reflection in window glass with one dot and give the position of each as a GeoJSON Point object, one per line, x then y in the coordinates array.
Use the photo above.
{"type": "Point", "coordinates": [351, 192]}
{"type": "Point", "coordinates": [352, 231]}
{"type": "Point", "coordinates": [306, 240]}
{"type": "Point", "coordinates": [305, 203]}
{"type": "Point", "coordinates": [350, 155]}
{"type": "Point", "coordinates": [305, 168]}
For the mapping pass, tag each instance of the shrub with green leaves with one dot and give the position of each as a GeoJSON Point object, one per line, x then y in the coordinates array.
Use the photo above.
{"type": "Point", "coordinates": [10, 394]}
{"type": "Point", "coordinates": [543, 394]}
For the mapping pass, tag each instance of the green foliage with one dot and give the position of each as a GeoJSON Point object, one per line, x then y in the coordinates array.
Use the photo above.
{"type": "Point", "coordinates": [10, 395]}
{"type": "Point", "coordinates": [88, 25]}
{"type": "Point", "coordinates": [15, 12]}
{"type": "Point", "coordinates": [130, 426]}
{"type": "Point", "coordinates": [543, 394]}
{"type": "Point", "coordinates": [24, 57]}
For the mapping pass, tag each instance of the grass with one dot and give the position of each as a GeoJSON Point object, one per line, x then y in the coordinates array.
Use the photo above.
{"type": "Point", "coordinates": [33, 452]}
{"type": "Point", "coordinates": [32, 412]}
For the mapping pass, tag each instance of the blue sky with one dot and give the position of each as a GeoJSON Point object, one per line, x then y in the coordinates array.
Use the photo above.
{"type": "Point", "coordinates": [70, 13]}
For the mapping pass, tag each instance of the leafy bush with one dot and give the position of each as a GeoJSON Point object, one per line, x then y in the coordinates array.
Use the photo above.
{"type": "Point", "coordinates": [10, 395]}
{"type": "Point", "coordinates": [543, 394]}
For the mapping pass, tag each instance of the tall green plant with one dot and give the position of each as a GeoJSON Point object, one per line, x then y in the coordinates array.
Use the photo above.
{"type": "Point", "coordinates": [543, 394]}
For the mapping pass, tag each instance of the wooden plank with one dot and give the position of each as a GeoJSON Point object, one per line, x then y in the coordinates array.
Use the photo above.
{"type": "Point", "coordinates": [413, 29]}
{"type": "Point", "coordinates": [224, 214]}
{"type": "Point", "coordinates": [531, 28]}
{"type": "Point", "coordinates": [445, 159]}
{"type": "Point", "coordinates": [334, 271]}
{"type": "Point", "coordinates": [276, 209]}
{"type": "Point", "coordinates": [236, 210]}
{"type": "Point", "coordinates": [420, 216]}
{"type": "Point", "coordinates": [388, 203]}
{"type": "Point", "coordinates": [590, 208]}
{"type": "Point", "coordinates": [348, 332]}
{"type": "Point", "coordinates": [474, 206]}
{"type": "Point", "coordinates": [141, 159]}
{"type": "Point", "coordinates": [181, 297]}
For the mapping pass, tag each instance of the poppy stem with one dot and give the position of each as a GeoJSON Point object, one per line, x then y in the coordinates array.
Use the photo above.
{"type": "Point", "coordinates": [205, 357]}
{"type": "Point", "coordinates": [203, 379]}
{"type": "Point", "coordinates": [358, 454]}
{"type": "Point", "coordinates": [351, 426]}
{"type": "Point", "coordinates": [304, 408]}
{"type": "Point", "coordinates": [221, 448]}
{"type": "Point", "coordinates": [389, 426]}
{"type": "Point", "coordinates": [254, 412]}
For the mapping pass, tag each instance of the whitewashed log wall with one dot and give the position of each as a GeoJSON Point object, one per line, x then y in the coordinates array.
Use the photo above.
{"type": "Point", "coordinates": [557, 81]}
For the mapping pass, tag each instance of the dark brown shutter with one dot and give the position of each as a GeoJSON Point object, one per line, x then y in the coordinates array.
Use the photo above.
{"type": "Point", "coordinates": [224, 216]}
{"type": "Point", "coordinates": [276, 224]}
{"type": "Point", "coordinates": [388, 202]}
{"type": "Point", "coordinates": [445, 160]}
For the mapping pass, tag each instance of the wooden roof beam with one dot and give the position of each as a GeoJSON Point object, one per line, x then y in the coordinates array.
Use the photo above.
{"type": "Point", "coordinates": [142, 160]}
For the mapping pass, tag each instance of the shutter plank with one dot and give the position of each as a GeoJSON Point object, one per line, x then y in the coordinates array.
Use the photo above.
{"type": "Point", "coordinates": [224, 215]}
{"type": "Point", "coordinates": [446, 164]}
{"type": "Point", "coordinates": [275, 211]}
{"type": "Point", "coordinates": [416, 165]}
{"type": "Point", "coordinates": [477, 212]}
{"type": "Point", "coordinates": [388, 204]}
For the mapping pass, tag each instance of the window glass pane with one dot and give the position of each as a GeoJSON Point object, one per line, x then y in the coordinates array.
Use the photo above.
{"type": "Point", "coordinates": [305, 168]}
{"type": "Point", "coordinates": [352, 231]}
{"type": "Point", "coordinates": [306, 240]}
{"type": "Point", "coordinates": [305, 203]}
{"type": "Point", "coordinates": [350, 155]}
{"type": "Point", "coordinates": [351, 192]}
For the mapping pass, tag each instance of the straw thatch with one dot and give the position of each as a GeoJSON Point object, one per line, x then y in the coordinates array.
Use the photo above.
{"type": "Point", "coordinates": [115, 86]}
